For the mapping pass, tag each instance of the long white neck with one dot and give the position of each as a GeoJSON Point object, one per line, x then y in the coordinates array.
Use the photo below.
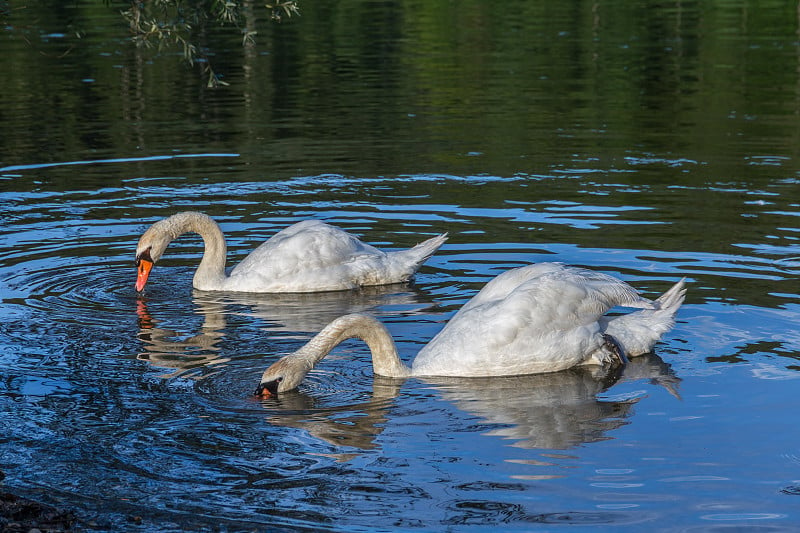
{"type": "Point", "coordinates": [385, 361]}
{"type": "Point", "coordinates": [211, 272]}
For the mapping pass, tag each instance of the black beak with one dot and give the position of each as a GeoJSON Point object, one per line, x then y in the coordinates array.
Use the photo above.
{"type": "Point", "coordinates": [268, 388]}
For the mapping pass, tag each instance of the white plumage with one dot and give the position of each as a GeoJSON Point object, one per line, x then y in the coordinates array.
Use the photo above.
{"type": "Point", "coordinates": [539, 318]}
{"type": "Point", "coordinates": [309, 256]}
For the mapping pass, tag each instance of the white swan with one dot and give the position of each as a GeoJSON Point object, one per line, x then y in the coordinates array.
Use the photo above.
{"type": "Point", "coordinates": [538, 318]}
{"type": "Point", "coordinates": [309, 256]}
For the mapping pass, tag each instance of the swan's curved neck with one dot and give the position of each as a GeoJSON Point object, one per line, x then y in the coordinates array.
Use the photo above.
{"type": "Point", "coordinates": [385, 361]}
{"type": "Point", "coordinates": [211, 272]}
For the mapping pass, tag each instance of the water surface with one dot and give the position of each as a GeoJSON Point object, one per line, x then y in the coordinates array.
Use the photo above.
{"type": "Point", "coordinates": [650, 142]}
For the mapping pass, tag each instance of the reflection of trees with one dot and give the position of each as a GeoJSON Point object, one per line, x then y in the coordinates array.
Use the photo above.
{"type": "Point", "coordinates": [630, 87]}
{"type": "Point", "coordinates": [556, 411]}
{"type": "Point", "coordinates": [173, 23]}
{"type": "Point", "coordinates": [623, 68]}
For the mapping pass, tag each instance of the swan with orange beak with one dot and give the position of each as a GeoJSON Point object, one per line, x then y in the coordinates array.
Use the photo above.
{"type": "Point", "coordinates": [308, 256]}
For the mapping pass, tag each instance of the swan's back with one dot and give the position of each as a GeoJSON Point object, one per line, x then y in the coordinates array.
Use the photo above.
{"type": "Point", "coordinates": [538, 318]}
{"type": "Point", "coordinates": [310, 244]}
{"type": "Point", "coordinates": [308, 256]}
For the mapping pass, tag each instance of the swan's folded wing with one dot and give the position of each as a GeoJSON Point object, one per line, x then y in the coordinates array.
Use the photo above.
{"type": "Point", "coordinates": [548, 322]}
{"type": "Point", "coordinates": [565, 298]}
{"type": "Point", "coordinates": [602, 291]}
{"type": "Point", "coordinates": [548, 280]}
{"type": "Point", "coordinates": [501, 286]}
{"type": "Point", "coordinates": [306, 246]}
{"type": "Point", "coordinates": [518, 334]}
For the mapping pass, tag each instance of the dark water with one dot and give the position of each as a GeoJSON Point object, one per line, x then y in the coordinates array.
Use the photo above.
{"type": "Point", "coordinates": [650, 141]}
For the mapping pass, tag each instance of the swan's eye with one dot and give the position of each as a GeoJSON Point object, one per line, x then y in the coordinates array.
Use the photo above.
{"type": "Point", "coordinates": [269, 388]}
{"type": "Point", "coordinates": [144, 256]}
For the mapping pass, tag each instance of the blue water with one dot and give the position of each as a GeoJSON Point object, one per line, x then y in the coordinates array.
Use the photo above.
{"type": "Point", "coordinates": [123, 405]}
{"type": "Point", "coordinates": [648, 142]}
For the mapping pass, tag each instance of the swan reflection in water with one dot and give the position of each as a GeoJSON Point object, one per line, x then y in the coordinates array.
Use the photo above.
{"type": "Point", "coordinates": [310, 312]}
{"type": "Point", "coordinates": [279, 313]}
{"type": "Point", "coordinates": [170, 349]}
{"type": "Point", "coordinates": [558, 410]}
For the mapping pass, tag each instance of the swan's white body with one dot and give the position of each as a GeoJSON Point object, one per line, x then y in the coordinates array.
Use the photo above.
{"type": "Point", "coordinates": [539, 318]}
{"type": "Point", "coordinates": [309, 256]}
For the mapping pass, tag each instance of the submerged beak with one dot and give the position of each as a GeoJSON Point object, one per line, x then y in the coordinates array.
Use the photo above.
{"type": "Point", "coordinates": [268, 389]}
{"type": "Point", "coordinates": [144, 265]}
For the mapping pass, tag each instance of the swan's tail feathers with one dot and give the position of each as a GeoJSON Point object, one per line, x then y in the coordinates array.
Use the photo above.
{"type": "Point", "coordinates": [413, 258]}
{"type": "Point", "coordinates": [638, 332]}
{"type": "Point", "coordinates": [673, 298]}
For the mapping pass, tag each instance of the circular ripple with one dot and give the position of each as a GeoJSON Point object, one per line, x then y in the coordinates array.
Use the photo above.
{"type": "Point", "coordinates": [85, 292]}
{"type": "Point", "coordinates": [71, 308]}
{"type": "Point", "coordinates": [343, 406]}
{"type": "Point", "coordinates": [324, 388]}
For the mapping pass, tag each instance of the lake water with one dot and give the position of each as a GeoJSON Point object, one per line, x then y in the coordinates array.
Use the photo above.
{"type": "Point", "coordinates": [648, 141]}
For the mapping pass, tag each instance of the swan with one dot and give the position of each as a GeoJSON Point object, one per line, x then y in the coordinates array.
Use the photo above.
{"type": "Point", "coordinates": [309, 256]}
{"type": "Point", "coordinates": [538, 318]}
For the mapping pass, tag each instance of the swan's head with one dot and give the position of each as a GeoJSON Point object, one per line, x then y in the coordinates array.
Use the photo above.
{"type": "Point", "coordinates": [283, 375]}
{"type": "Point", "coordinates": [151, 247]}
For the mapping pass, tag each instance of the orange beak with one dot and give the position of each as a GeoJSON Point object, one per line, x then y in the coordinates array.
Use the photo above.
{"type": "Point", "coordinates": [144, 267]}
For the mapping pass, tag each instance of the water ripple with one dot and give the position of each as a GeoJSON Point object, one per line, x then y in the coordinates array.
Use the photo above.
{"type": "Point", "coordinates": [148, 397]}
{"type": "Point", "coordinates": [35, 166]}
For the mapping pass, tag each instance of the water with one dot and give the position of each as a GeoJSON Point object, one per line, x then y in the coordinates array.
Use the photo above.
{"type": "Point", "coordinates": [650, 142]}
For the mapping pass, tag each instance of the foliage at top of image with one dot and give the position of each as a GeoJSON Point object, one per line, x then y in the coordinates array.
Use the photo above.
{"type": "Point", "coordinates": [166, 23]}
